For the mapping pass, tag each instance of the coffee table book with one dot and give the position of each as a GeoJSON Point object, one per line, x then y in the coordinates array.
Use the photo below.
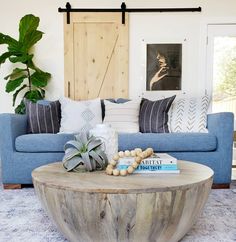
{"type": "Point", "coordinates": [158, 163]}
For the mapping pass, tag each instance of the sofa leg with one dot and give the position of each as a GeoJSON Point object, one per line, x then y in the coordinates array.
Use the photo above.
{"type": "Point", "coordinates": [221, 186]}
{"type": "Point", "coordinates": [12, 186]}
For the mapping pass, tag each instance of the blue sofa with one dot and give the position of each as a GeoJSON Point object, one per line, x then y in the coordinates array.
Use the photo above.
{"type": "Point", "coordinates": [21, 152]}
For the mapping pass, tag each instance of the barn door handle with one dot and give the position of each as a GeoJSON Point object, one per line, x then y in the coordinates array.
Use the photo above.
{"type": "Point", "coordinates": [68, 86]}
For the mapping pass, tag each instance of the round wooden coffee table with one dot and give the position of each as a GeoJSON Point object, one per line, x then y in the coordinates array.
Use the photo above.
{"type": "Point", "coordinates": [95, 207]}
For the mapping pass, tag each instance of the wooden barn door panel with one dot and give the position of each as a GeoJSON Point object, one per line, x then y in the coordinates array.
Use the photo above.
{"type": "Point", "coordinates": [98, 49]}
{"type": "Point", "coordinates": [68, 60]}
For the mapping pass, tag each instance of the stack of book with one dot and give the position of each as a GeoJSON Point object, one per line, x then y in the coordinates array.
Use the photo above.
{"type": "Point", "coordinates": [158, 163]}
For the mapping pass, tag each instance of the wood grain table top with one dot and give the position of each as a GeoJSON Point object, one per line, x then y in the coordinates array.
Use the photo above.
{"type": "Point", "coordinates": [54, 175]}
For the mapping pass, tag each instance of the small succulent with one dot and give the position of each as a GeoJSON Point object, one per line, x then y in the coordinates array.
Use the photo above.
{"type": "Point", "coordinates": [84, 151]}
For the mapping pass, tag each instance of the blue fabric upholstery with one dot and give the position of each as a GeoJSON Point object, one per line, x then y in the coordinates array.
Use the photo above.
{"type": "Point", "coordinates": [42, 142]}
{"type": "Point", "coordinates": [122, 100]}
{"type": "Point", "coordinates": [167, 142]}
{"type": "Point", "coordinates": [213, 149]}
{"type": "Point", "coordinates": [159, 142]}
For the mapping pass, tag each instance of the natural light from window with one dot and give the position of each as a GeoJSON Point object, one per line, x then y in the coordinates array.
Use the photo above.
{"type": "Point", "coordinates": [224, 75]}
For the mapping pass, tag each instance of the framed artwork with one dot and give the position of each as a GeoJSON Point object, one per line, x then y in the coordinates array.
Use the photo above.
{"type": "Point", "coordinates": [163, 67]}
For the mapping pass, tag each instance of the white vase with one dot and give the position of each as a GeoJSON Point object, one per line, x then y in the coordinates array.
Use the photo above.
{"type": "Point", "coordinates": [109, 137]}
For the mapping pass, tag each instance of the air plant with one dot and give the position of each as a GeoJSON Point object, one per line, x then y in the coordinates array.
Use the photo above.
{"type": "Point", "coordinates": [84, 152]}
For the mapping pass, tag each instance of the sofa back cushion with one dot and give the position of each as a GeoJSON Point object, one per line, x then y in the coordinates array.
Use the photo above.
{"type": "Point", "coordinates": [169, 142]}
{"type": "Point", "coordinates": [43, 117]}
{"type": "Point", "coordinates": [162, 142]}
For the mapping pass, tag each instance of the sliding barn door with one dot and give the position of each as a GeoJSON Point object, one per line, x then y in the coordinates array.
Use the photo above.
{"type": "Point", "coordinates": [96, 56]}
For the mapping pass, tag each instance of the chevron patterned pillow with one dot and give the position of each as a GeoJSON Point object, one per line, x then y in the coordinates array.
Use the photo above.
{"type": "Point", "coordinates": [189, 115]}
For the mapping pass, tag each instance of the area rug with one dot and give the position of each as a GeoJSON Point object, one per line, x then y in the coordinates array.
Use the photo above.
{"type": "Point", "coordinates": [22, 218]}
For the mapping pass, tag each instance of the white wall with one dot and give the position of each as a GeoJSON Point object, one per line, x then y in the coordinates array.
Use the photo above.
{"type": "Point", "coordinates": [186, 28]}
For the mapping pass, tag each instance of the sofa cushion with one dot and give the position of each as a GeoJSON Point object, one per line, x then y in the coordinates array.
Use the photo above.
{"type": "Point", "coordinates": [42, 142]}
{"type": "Point", "coordinates": [168, 142]}
{"type": "Point", "coordinates": [160, 142]}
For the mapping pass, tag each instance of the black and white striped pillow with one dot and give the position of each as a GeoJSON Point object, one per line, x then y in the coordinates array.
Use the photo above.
{"type": "Point", "coordinates": [43, 118]}
{"type": "Point", "coordinates": [153, 115]}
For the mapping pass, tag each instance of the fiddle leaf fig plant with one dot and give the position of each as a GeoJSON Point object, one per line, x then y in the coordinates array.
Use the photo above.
{"type": "Point", "coordinates": [84, 152]}
{"type": "Point", "coordinates": [27, 77]}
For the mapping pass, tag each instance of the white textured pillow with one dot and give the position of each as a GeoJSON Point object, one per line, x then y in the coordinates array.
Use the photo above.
{"type": "Point", "coordinates": [79, 116]}
{"type": "Point", "coordinates": [123, 117]}
{"type": "Point", "coordinates": [189, 115]}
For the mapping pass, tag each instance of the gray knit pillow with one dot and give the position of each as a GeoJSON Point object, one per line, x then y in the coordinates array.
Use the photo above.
{"type": "Point", "coordinates": [43, 118]}
{"type": "Point", "coordinates": [153, 115]}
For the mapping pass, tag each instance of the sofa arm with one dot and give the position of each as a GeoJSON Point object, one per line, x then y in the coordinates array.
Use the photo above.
{"type": "Point", "coordinates": [222, 125]}
{"type": "Point", "coordinates": [11, 126]}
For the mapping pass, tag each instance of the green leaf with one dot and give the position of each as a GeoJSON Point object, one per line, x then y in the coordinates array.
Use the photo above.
{"type": "Point", "coordinates": [29, 35]}
{"type": "Point", "coordinates": [13, 45]}
{"type": "Point", "coordinates": [30, 39]}
{"type": "Point", "coordinates": [42, 92]}
{"type": "Point", "coordinates": [4, 56]}
{"type": "Point", "coordinates": [40, 79]}
{"type": "Point", "coordinates": [22, 58]}
{"type": "Point", "coordinates": [13, 84]}
{"type": "Point", "coordinates": [28, 24]}
{"type": "Point", "coordinates": [32, 66]}
{"type": "Point", "coordinates": [33, 95]}
{"type": "Point", "coordinates": [20, 109]}
{"type": "Point", "coordinates": [16, 73]}
{"type": "Point", "coordinates": [17, 92]}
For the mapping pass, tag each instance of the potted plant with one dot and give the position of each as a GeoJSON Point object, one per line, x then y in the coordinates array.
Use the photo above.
{"type": "Point", "coordinates": [27, 77]}
{"type": "Point", "coordinates": [84, 153]}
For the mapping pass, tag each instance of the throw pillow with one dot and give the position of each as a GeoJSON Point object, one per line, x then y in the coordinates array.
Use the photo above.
{"type": "Point", "coordinates": [123, 117]}
{"type": "Point", "coordinates": [103, 106]}
{"type": "Point", "coordinates": [79, 116]}
{"type": "Point", "coordinates": [43, 118]}
{"type": "Point", "coordinates": [189, 115]}
{"type": "Point", "coordinates": [153, 116]}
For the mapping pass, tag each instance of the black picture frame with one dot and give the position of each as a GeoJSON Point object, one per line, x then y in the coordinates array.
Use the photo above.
{"type": "Point", "coordinates": [164, 67]}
